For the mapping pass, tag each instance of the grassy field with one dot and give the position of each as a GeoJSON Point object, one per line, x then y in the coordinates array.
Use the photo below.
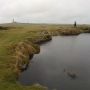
{"type": "Point", "coordinates": [18, 44]}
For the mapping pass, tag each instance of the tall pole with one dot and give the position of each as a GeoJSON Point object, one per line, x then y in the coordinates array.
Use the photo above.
{"type": "Point", "coordinates": [13, 20]}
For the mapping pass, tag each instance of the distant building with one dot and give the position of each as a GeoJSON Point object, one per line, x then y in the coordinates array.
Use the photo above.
{"type": "Point", "coordinates": [13, 21]}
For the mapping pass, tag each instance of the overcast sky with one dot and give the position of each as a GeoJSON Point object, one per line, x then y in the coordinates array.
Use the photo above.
{"type": "Point", "coordinates": [45, 11]}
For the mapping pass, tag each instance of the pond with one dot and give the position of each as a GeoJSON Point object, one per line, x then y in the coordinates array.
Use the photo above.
{"type": "Point", "coordinates": [59, 60]}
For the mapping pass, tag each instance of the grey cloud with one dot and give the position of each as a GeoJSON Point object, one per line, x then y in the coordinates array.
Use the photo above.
{"type": "Point", "coordinates": [45, 11]}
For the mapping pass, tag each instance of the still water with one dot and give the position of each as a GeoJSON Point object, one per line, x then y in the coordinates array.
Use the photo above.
{"type": "Point", "coordinates": [61, 55]}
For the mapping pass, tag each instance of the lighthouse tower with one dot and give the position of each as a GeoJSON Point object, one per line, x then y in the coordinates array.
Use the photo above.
{"type": "Point", "coordinates": [13, 20]}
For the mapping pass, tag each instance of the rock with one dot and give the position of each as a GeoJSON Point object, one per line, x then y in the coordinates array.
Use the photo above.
{"type": "Point", "coordinates": [72, 75]}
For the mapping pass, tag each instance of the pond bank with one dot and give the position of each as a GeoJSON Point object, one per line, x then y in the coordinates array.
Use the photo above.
{"type": "Point", "coordinates": [24, 51]}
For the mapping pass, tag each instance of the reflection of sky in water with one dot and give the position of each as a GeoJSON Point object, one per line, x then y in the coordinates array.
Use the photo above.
{"type": "Point", "coordinates": [71, 53]}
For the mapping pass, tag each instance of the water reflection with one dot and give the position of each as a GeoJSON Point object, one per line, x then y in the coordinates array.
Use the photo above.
{"type": "Point", "coordinates": [59, 61]}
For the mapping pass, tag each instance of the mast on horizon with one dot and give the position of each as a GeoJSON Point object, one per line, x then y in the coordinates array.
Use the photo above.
{"type": "Point", "coordinates": [13, 20]}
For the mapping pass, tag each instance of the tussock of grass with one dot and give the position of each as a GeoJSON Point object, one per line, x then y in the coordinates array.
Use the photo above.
{"type": "Point", "coordinates": [22, 53]}
{"type": "Point", "coordinates": [70, 31]}
{"type": "Point", "coordinates": [3, 28]}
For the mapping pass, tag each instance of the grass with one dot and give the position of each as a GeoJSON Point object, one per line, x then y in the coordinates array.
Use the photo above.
{"type": "Point", "coordinates": [17, 44]}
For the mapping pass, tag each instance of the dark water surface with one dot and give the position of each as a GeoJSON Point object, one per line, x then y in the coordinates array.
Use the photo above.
{"type": "Point", "coordinates": [61, 55]}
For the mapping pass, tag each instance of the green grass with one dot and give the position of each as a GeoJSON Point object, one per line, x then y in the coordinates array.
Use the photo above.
{"type": "Point", "coordinates": [8, 79]}
{"type": "Point", "coordinates": [19, 33]}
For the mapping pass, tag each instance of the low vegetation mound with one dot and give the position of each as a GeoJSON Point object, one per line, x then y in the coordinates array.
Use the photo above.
{"type": "Point", "coordinates": [3, 28]}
